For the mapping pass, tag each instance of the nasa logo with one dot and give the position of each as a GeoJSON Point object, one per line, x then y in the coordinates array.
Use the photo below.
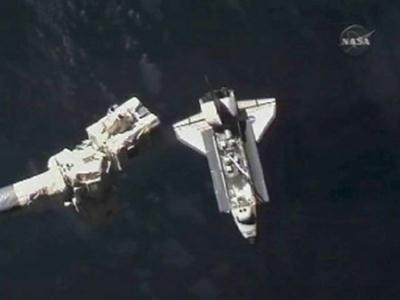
{"type": "Point", "coordinates": [355, 39]}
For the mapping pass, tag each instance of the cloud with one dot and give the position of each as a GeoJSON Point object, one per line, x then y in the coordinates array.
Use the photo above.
{"type": "Point", "coordinates": [151, 75]}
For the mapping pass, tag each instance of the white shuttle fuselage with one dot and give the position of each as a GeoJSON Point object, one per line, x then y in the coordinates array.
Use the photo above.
{"type": "Point", "coordinates": [226, 131]}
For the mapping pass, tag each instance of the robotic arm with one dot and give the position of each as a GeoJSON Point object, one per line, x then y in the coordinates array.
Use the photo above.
{"type": "Point", "coordinates": [87, 169]}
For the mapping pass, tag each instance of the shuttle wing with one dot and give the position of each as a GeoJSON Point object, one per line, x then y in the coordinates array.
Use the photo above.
{"type": "Point", "coordinates": [189, 132]}
{"type": "Point", "coordinates": [261, 112]}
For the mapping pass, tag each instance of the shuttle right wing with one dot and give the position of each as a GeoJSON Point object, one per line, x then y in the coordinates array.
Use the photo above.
{"type": "Point", "coordinates": [189, 132]}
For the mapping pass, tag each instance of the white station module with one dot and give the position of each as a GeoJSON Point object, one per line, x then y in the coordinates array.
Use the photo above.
{"type": "Point", "coordinates": [226, 131]}
{"type": "Point", "coordinates": [84, 172]}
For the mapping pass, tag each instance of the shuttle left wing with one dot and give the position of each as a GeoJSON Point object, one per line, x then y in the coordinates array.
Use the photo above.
{"type": "Point", "coordinates": [261, 113]}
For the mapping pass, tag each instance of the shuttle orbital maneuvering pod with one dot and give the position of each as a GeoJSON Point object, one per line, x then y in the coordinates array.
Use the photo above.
{"type": "Point", "coordinates": [84, 174]}
{"type": "Point", "coordinates": [226, 131]}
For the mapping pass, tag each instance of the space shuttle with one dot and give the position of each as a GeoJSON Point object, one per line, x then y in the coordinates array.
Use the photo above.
{"type": "Point", "coordinates": [83, 175]}
{"type": "Point", "coordinates": [227, 131]}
